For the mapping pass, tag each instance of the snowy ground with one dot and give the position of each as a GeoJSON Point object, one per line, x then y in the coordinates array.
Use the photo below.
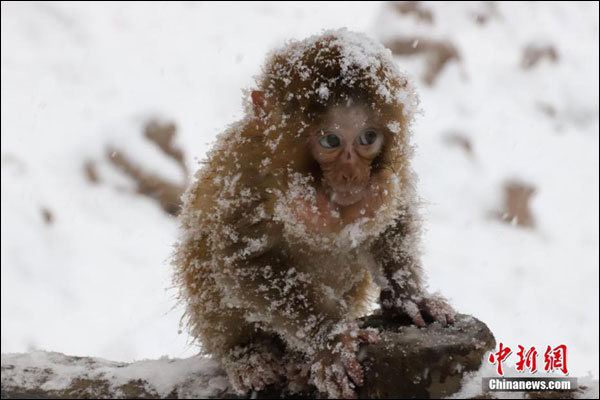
{"type": "Point", "coordinates": [96, 281]}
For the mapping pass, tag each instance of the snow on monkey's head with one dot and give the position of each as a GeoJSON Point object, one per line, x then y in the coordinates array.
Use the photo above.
{"type": "Point", "coordinates": [340, 102]}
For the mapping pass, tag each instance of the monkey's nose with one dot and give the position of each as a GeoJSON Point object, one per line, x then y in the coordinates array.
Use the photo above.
{"type": "Point", "coordinates": [347, 166]}
{"type": "Point", "coordinates": [349, 177]}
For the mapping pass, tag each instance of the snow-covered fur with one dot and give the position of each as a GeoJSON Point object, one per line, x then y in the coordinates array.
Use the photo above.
{"type": "Point", "coordinates": [248, 269]}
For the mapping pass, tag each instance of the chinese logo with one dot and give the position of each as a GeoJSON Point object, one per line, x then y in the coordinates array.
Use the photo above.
{"type": "Point", "coordinates": [555, 359]}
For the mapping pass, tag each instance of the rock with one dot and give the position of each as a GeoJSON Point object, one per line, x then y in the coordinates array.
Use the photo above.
{"type": "Point", "coordinates": [406, 363]}
{"type": "Point", "coordinates": [425, 363]}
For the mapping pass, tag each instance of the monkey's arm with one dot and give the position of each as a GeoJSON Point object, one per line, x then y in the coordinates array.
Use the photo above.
{"type": "Point", "coordinates": [402, 285]}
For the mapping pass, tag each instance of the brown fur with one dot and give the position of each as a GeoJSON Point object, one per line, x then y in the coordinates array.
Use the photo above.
{"type": "Point", "coordinates": [247, 270]}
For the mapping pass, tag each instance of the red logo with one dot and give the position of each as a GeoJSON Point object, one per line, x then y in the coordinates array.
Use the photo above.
{"type": "Point", "coordinates": [554, 359]}
{"type": "Point", "coordinates": [499, 357]}
{"type": "Point", "coordinates": [527, 359]}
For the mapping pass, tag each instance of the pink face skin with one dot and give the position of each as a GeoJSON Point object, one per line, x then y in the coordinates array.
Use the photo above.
{"type": "Point", "coordinates": [344, 146]}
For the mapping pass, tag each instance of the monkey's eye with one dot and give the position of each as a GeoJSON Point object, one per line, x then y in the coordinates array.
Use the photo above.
{"type": "Point", "coordinates": [367, 137]}
{"type": "Point", "coordinates": [330, 140]}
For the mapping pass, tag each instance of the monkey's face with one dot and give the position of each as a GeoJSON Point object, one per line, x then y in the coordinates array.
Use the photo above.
{"type": "Point", "coordinates": [344, 144]}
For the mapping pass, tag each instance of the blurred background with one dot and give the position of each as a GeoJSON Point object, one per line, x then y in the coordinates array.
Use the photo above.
{"type": "Point", "coordinates": [107, 109]}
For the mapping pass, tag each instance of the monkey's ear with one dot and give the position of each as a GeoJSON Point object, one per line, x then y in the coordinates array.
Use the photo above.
{"type": "Point", "coordinates": [259, 102]}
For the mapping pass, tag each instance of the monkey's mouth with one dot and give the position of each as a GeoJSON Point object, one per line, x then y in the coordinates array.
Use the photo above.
{"type": "Point", "coordinates": [347, 197]}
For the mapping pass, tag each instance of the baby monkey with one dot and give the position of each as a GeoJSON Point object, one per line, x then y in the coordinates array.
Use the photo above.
{"type": "Point", "coordinates": [300, 211]}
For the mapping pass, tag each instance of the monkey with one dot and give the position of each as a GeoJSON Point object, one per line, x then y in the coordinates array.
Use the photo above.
{"type": "Point", "coordinates": [298, 214]}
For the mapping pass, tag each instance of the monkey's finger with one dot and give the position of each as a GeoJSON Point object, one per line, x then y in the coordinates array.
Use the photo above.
{"type": "Point", "coordinates": [346, 387]}
{"type": "Point", "coordinates": [243, 382]}
{"type": "Point", "coordinates": [337, 383]}
{"type": "Point", "coordinates": [417, 318]}
{"type": "Point", "coordinates": [440, 311]}
{"type": "Point", "coordinates": [267, 377]}
{"type": "Point", "coordinates": [349, 345]}
{"type": "Point", "coordinates": [337, 377]}
{"type": "Point", "coordinates": [436, 312]}
{"type": "Point", "coordinates": [348, 392]}
{"type": "Point", "coordinates": [351, 366]}
{"type": "Point", "coordinates": [338, 390]}
{"type": "Point", "coordinates": [353, 369]}
{"type": "Point", "coordinates": [450, 313]}
{"type": "Point", "coordinates": [410, 308]}
{"type": "Point", "coordinates": [238, 384]}
{"type": "Point", "coordinates": [451, 317]}
{"type": "Point", "coordinates": [258, 383]}
{"type": "Point", "coordinates": [440, 316]}
{"type": "Point", "coordinates": [368, 336]}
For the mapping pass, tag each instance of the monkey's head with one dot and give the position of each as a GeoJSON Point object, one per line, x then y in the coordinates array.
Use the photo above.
{"type": "Point", "coordinates": [339, 103]}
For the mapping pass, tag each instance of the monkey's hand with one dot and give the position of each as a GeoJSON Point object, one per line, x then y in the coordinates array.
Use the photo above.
{"type": "Point", "coordinates": [253, 368]}
{"type": "Point", "coordinates": [336, 370]}
{"type": "Point", "coordinates": [418, 308]}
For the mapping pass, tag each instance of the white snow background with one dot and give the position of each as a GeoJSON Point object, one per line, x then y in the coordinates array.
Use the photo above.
{"type": "Point", "coordinates": [75, 77]}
